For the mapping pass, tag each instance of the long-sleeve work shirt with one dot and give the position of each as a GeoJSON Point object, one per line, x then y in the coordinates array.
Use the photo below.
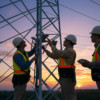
{"type": "Point", "coordinates": [69, 56]}
{"type": "Point", "coordinates": [18, 58]}
{"type": "Point", "coordinates": [97, 63]}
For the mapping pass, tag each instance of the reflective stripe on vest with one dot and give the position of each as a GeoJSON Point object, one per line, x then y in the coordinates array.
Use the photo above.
{"type": "Point", "coordinates": [17, 69]}
{"type": "Point", "coordinates": [96, 57]}
{"type": "Point", "coordinates": [62, 64]}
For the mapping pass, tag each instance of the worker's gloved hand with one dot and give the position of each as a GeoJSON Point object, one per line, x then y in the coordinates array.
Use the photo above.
{"type": "Point", "coordinates": [54, 43]}
{"type": "Point", "coordinates": [43, 47]}
{"type": "Point", "coordinates": [35, 58]}
{"type": "Point", "coordinates": [50, 42]}
{"type": "Point", "coordinates": [84, 62]}
{"type": "Point", "coordinates": [80, 61]}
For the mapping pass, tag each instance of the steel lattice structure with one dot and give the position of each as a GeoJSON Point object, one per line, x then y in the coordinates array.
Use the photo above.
{"type": "Point", "coordinates": [32, 20]}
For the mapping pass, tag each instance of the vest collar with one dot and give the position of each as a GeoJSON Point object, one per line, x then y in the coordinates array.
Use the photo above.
{"type": "Point", "coordinates": [22, 51]}
{"type": "Point", "coordinates": [96, 44]}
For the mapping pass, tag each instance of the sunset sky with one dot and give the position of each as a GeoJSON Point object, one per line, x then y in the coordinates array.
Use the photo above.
{"type": "Point", "coordinates": [77, 17]}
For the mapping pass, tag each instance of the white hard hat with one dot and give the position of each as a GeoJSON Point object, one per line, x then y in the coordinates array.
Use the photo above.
{"type": "Point", "coordinates": [72, 38]}
{"type": "Point", "coordinates": [17, 41]}
{"type": "Point", "coordinates": [96, 30]}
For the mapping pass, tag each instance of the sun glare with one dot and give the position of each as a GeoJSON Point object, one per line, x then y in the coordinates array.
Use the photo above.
{"type": "Point", "coordinates": [78, 85]}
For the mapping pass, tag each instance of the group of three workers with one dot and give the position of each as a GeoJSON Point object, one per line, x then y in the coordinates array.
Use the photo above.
{"type": "Point", "coordinates": [66, 67]}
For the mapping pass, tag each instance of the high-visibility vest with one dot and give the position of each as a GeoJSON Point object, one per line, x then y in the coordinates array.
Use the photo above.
{"type": "Point", "coordinates": [17, 69]}
{"type": "Point", "coordinates": [95, 71]}
{"type": "Point", "coordinates": [96, 57]}
{"type": "Point", "coordinates": [62, 64]}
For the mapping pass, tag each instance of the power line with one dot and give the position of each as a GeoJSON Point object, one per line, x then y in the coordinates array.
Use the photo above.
{"type": "Point", "coordinates": [78, 35]}
{"type": "Point", "coordinates": [79, 12]}
{"type": "Point", "coordinates": [95, 2]}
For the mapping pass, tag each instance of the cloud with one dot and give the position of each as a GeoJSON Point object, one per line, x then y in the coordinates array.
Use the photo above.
{"type": "Point", "coordinates": [6, 48]}
{"type": "Point", "coordinates": [9, 44]}
{"type": "Point", "coordinates": [3, 53]}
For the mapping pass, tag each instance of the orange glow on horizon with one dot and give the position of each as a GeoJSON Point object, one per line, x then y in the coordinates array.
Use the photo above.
{"type": "Point", "coordinates": [83, 78]}
{"type": "Point", "coordinates": [79, 85]}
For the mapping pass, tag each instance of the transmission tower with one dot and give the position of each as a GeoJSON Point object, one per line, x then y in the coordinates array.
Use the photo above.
{"type": "Point", "coordinates": [54, 21]}
{"type": "Point", "coordinates": [41, 20]}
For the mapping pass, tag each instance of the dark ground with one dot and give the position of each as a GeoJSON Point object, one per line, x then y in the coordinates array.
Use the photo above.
{"type": "Point", "coordinates": [81, 95]}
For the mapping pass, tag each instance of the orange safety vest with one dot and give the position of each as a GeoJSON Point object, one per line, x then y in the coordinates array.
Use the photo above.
{"type": "Point", "coordinates": [96, 57]}
{"type": "Point", "coordinates": [62, 64]}
{"type": "Point", "coordinates": [95, 71]}
{"type": "Point", "coordinates": [17, 69]}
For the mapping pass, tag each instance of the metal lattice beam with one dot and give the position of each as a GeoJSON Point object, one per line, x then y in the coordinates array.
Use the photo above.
{"type": "Point", "coordinates": [43, 18]}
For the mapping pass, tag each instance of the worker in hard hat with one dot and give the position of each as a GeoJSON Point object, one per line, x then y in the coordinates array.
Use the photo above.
{"type": "Point", "coordinates": [21, 66]}
{"type": "Point", "coordinates": [66, 65]}
{"type": "Point", "coordinates": [94, 65]}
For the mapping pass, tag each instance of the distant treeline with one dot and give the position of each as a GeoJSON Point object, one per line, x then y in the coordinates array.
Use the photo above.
{"type": "Point", "coordinates": [81, 95]}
